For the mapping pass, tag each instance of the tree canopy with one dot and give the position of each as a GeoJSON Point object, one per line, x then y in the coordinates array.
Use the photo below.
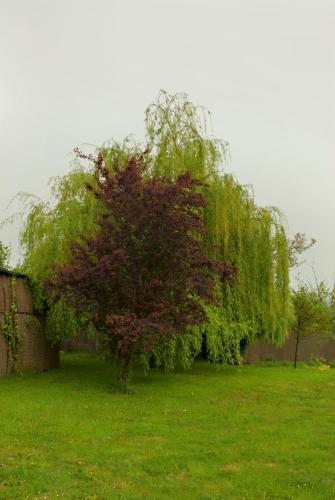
{"type": "Point", "coordinates": [145, 275]}
{"type": "Point", "coordinates": [252, 238]}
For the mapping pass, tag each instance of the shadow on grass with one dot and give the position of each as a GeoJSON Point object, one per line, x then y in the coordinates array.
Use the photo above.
{"type": "Point", "coordinates": [82, 372]}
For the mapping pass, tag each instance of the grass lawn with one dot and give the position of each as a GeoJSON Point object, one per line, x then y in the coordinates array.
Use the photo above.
{"type": "Point", "coordinates": [249, 432]}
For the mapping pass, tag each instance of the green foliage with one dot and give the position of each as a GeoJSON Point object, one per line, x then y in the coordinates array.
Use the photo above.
{"type": "Point", "coordinates": [176, 351]}
{"type": "Point", "coordinates": [31, 320]}
{"type": "Point", "coordinates": [64, 320]}
{"type": "Point", "coordinates": [52, 225]}
{"type": "Point", "coordinates": [4, 255]}
{"type": "Point", "coordinates": [319, 362]}
{"type": "Point", "coordinates": [313, 310]}
{"type": "Point", "coordinates": [10, 331]}
{"type": "Point", "coordinates": [297, 246]}
{"type": "Point", "coordinates": [314, 313]}
{"type": "Point", "coordinates": [46, 236]}
{"type": "Point", "coordinates": [176, 135]}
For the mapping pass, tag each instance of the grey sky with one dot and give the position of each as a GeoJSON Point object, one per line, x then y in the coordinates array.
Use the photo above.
{"type": "Point", "coordinates": [74, 72]}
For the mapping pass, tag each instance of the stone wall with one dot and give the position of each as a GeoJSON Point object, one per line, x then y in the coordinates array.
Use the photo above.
{"type": "Point", "coordinates": [36, 352]}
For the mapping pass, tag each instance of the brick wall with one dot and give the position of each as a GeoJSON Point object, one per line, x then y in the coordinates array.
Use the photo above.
{"type": "Point", "coordinates": [37, 352]}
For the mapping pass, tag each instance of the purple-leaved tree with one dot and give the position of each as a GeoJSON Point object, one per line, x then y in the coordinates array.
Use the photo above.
{"type": "Point", "coordinates": [146, 273]}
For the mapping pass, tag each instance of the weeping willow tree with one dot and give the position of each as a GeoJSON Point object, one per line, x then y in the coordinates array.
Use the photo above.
{"type": "Point", "coordinates": [176, 136]}
{"type": "Point", "coordinates": [238, 231]}
{"type": "Point", "coordinates": [4, 255]}
{"type": "Point", "coordinates": [46, 235]}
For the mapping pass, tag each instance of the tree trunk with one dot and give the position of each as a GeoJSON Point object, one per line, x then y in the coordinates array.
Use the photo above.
{"type": "Point", "coordinates": [296, 349]}
{"type": "Point", "coordinates": [125, 371]}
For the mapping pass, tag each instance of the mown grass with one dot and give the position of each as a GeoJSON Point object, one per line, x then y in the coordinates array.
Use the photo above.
{"type": "Point", "coordinates": [216, 432]}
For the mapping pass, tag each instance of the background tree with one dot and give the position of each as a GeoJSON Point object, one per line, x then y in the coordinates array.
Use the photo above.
{"type": "Point", "coordinates": [313, 313]}
{"type": "Point", "coordinates": [144, 275]}
{"type": "Point", "coordinates": [297, 245]}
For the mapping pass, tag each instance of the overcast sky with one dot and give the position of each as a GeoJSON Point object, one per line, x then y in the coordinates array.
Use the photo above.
{"type": "Point", "coordinates": [75, 72]}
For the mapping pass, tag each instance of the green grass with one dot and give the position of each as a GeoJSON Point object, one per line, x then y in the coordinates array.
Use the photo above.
{"type": "Point", "coordinates": [249, 432]}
